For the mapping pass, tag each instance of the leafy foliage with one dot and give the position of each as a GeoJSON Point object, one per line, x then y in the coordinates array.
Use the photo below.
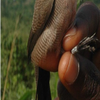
{"type": "Point", "coordinates": [21, 74]}
{"type": "Point", "coordinates": [26, 96]}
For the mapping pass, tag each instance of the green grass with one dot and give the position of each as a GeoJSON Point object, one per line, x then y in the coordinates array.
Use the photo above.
{"type": "Point", "coordinates": [53, 84]}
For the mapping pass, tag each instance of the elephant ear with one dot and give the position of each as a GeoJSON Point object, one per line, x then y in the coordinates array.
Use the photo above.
{"type": "Point", "coordinates": [42, 12]}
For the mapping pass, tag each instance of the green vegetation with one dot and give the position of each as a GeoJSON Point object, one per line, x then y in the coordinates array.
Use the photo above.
{"type": "Point", "coordinates": [16, 23]}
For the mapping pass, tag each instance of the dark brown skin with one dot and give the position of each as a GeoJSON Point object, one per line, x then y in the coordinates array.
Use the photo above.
{"type": "Point", "coordinates": [85, 86]}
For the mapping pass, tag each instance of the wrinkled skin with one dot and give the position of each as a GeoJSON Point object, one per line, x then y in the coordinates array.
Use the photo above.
{"type": "Point", "coordinates": [73, 85]}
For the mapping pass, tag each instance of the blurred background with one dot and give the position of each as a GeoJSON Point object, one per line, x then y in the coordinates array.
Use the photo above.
{"type": "Point", "coordinates": [17, 75]}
